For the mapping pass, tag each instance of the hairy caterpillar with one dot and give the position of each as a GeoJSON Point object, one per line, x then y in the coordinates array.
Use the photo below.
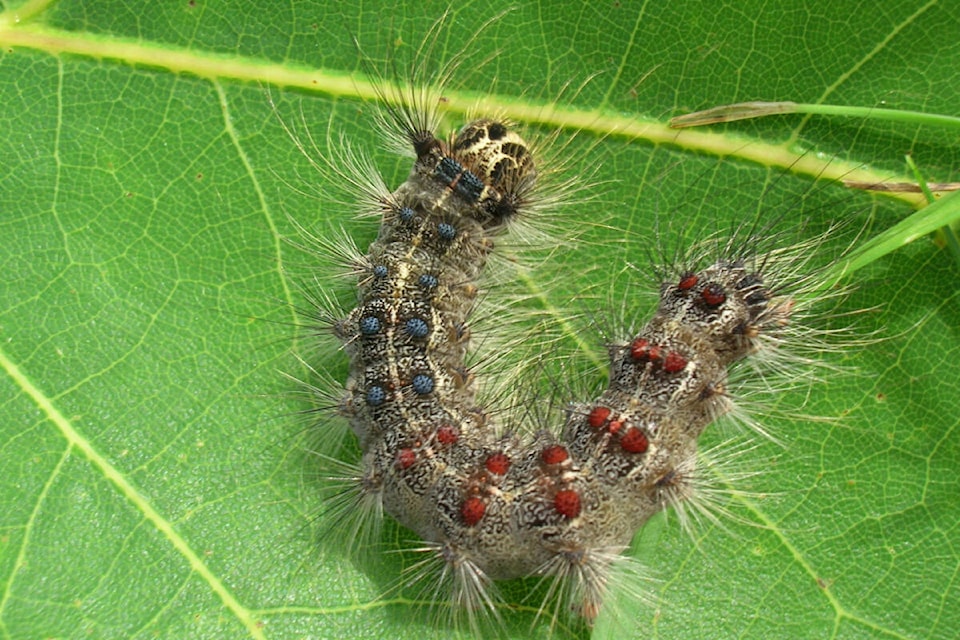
{"type": "Point", "coordinates": [436, 221]}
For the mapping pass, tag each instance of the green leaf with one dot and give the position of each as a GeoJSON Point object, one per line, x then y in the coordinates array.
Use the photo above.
{"type": "Point", "coordinates": [155, 480]}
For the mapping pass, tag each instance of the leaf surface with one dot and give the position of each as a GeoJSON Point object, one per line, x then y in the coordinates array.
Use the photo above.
{"type": "Point", "coordinates": [154, 478]}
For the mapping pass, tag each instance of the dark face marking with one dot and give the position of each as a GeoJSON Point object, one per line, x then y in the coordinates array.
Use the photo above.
{"type": "Point", "coordinates": [496, 130]}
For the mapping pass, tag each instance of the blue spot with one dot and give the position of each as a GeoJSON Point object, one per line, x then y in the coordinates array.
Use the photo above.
{"type": "Point", "coordinates": [380, 271]}
{"type": "Point", "coordinates": [447, 231]}
{"type": "Point", "coordinates": [369, 325]}
{"type": "Point", "coordinates": [376, 395]}
{"type": "Point", "coordinates": [428, 281]}
{"type": "Point", "coordinates": [417, 328]}
{"type": "Point", "coordinates": [448, 170]}
{"type": "Point", "coordinates": [470, 187]}
{"type": "Point", "coordinates": [406, 214]}
{"type": "Point", "coordinates": [422, 384]}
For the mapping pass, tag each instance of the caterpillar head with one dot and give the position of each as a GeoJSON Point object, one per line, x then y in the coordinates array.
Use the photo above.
{"type": "Point", "coordinates": [501, 159]}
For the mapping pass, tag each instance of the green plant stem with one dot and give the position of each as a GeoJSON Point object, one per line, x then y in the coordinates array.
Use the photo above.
{"type": "Point", "coordinates": [950, 238]}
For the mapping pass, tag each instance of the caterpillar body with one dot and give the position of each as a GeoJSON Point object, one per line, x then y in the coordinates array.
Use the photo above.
{"type": "Point", "coordinates": [496, 499]}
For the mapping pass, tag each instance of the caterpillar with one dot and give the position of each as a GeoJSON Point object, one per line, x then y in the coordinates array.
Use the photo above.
{"type": "Point", "coordinates": [495, 499]}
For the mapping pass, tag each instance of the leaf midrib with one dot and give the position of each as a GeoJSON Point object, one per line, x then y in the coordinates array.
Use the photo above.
{"type": "Point", "coordinates": [340, 84]}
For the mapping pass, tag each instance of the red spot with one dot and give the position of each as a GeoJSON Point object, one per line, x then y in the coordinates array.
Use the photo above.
{"type": "Point", "coordinates": [598, 416]}
{"type": "Point", "coordinates": [643, 351]}
{"type": "Point", "coordinates": [567, 503]}
{"type": "Point", "coordinates": [555, 454]}
{"type": "Point", "coordinates": [688, 281]}
{"type": "Point", "coordinates": [406, 458]}
{"type": "Point", "coordinates": [640, 349]}
{"type": "Point", "coordinates": [472, 510]}
{"type": "Point", "coordinates": [447, 434]}
{"type": "Point", "coordinates": [674, 362]}
{"type": "Point", "coordinates": [615, 426]}
{"type": "Point", "coordinates": [714, 295]}
{"type": "Point", "coordinates": [498, 463]}
{"type": "Point", "coordinates": [634, 441]}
